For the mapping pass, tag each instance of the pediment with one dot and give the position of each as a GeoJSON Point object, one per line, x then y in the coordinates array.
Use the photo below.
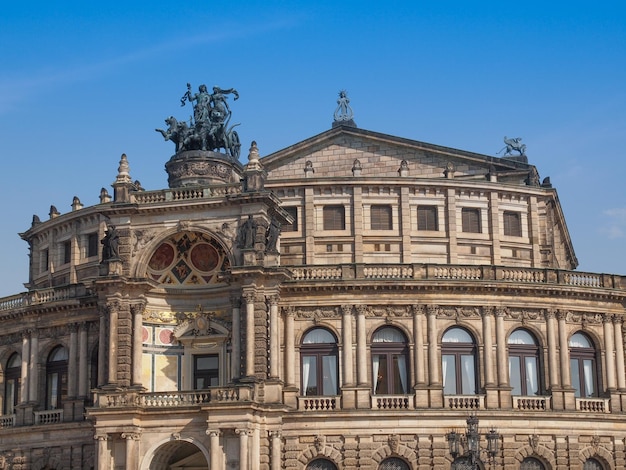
{"type": "Point", "coordinates": [348, 152]}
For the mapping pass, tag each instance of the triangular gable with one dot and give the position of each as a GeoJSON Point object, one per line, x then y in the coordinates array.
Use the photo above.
{"type": "Point", "coordinates": [347, 151]}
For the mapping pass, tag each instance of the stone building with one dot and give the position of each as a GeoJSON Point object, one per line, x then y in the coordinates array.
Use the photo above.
{"type": "Point", "coordinates": [344, 303]}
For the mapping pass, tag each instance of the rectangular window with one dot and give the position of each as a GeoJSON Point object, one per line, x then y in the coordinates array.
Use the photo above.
{"type": "Point", "coordinates": [470, 220]}
{"type": "Point", "coordinates": [45, 260]}
{"type": "Point", "coordinates": [67, 252]}
{"type": "Point", "coordinates": [293, 212]}
{"type": "Point", "coordinates": [427, 218]}
{"type": "Point", "coordinates": [334, 217]}
{"type": "Point", "coordinates": [512, 224]}
{"type": "Point", "coordinates": [206, 371]}
{"type": "Point", "coordinates": [92, 245]}
{"type": "Point", "coordinates": [380, 217]}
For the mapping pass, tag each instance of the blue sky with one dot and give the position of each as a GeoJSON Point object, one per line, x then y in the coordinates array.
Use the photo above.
{"type": "Point", "coordinates": [83, 82]}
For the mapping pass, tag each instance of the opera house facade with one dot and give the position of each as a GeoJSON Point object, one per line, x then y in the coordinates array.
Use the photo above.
{"type": "Point", "coordinates": [354, 301]}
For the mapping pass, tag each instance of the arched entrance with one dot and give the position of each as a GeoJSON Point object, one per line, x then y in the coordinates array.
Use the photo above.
{"type": "Point", "coordinates": [179, 454]}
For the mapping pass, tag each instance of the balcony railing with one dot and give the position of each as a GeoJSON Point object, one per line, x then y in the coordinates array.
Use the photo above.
{"type": "Point", "coordinates": [174, 399]}
{"type": "Point", "coordinates": [465, 402]}
{"type": "Point", "coordinates": [532, 403]}
{"type": "Point", "coordinates": [318, 403]}
{"type": "Point", "coordinates": [593, 405]}
{"type": "Point", "coordinates": [392, 402]}
{"type": "Point", "coordinates": [48, 417]}
{"type": "Point", "coordinates": [7, 421]}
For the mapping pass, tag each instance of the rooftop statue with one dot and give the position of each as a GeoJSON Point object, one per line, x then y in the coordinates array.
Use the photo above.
{"type": "Point", "coordinates": [343, 114]}
{"type": "Point", "coordinates": [209, 128]}
{"type": "Point", "coordinates": [514, 144]}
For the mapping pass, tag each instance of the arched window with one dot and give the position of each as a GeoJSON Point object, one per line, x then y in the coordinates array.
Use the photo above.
{"type": "Point", "coordinates": [56, 378]}
{"type": "Point", "coordinates": [12, 379]}
{"type": "Point", "coordinates": [592, 464]}
{"type": "Point", "coordinates": [531, 463]}
{"type": "Point", "coordinates": [389, 362]}
{"type": "Point", "coordinates": [458, 362]}
{"type": "Point", "coordinates": [583, 366]}
{"type": "Point", "coordinates": [319, 366]}
{"type": "Point", "coordinates": [393, 463]}
{"type": "Point", "coordinates": [523, 363]}
{"type": "Point", "coordinates": [321, 464]}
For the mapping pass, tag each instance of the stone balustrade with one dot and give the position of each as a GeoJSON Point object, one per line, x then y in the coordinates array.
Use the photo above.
{"type": "Point", "coordinates": [318, 403]}
{"type": "Point", "coordinates": [7, 421]}
{"type": "Point", "coordinates": [532, 403]}
{"type": "Point", "coordinates": [593, 405]}
{"type": "Point", "coordinates": [48, 417]}
{"type": "Point", "coordinates": [184, 194]}
{"type": "Point", "coordinates": [174, 399]}
{"type": "Point", "coordinates": [392, 402]}
{"type": "Point", "coordinates": [465, 402]}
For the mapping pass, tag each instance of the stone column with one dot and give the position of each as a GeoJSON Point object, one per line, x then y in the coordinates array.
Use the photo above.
{"type": "Point", "coordinates": [274, 337]}
{"type": "Point", "coordinates": [214, 449]}
{"type": "Point", "coordinates": [290, 348]}
{"type": "Point", "coordinates": [418, 340]}
{"type": "Point", "coordinates": [276, 457]}
{"type": "Point", "coordinates": [451, 225]}
{"type": "Point", "coordinates": [619, 351]}
{"type": "Point", "coordinates": [494, 218]}
{"type": "Point", "coordinates": [33, 370]}
{"type": "Point", "coordinates": [503, 366]}
{"type": "Point", "coordinates": [609, 351]}
{"type": "Point", "coordinates": [131, 449]}
{"type": "Point", "coordinates": [243, 448]}
{"type": "Point", "coordinates": [137, 317]}
{"type": "Point", "coordinates": [433, 357]}
{"type": "Point", "coordinates": [102, 452]}
{"type": "Point", "coordinates": [488, 345]}
{"type": "Point", "coordinates": [564, 350]}
{"type": "Point", "coordinates": [113, 339]}
{"type": "Point", "coordinates": [24, 376]}
{"type": "Point", "coordinates": [236, 339]}
{"type": "Point", "coordinates": [102, 351]}
{"type": "Point", "coordinates": [361, 346]}
{"type": "Point", "coordinates": [346, 326]}
{"type": "Point", "coordinates": [553, 363]}
{"type": "Point", "coordinates": [249, 298]}
{"type": "Point", "coordinates": [83, 361]}
{"type": "Point", "coordinates": [72, 363]}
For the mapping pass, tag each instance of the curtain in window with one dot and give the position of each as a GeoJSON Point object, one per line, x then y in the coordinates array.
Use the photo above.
{"type": "Point", "coordinates": [467, 375]}
{"type": "Point", "coordinates": [449, 375]}
{"type": "Point", "coordinates": [401, 365]}
{"type": "Point", "coordinates": [329, 366]}
{"type": "Point", "coordinates": [375, 368]}
{"type": "Point", "coordinates": [588, 377]}
{"type": "Point", "coordinates": [532, 387]}
{"type": "Point", "coordinates": [515, 375]}
{"type": "Point", "coordinates": [308, 365]}
{"type": "Point", "coordinates": [53, 384]}
{"type": "Point", "coordinates": [575, 373]}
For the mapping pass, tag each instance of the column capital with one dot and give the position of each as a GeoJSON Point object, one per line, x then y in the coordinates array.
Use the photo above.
{"type": "Point", "coordinates": [618, 319]}
{"type": "Point", "coordinates": [418, 309]}
{"type": "Point", "coordinates": [346, 310]}
{"type": "Point", "coordinates": [273, 299]}
{"type": "Point", "coordinates": [138, 307]}
{"type": "Point", "coordinates": [249, 296]}
{"type": "Point", "coordinates": [101, 436]}
{"type": "Point", "coordinates": [213, 432]}
{"type": "Point", "coordinates": [131, 436]}
{"type": "Point", "coordinates": [501, 312]}
{"type": "Point", "coordinates": [432, 310]}
{"type": "Point", "coordinates": [289, 311]}
{"type": "Point", "coordinates": [486, 311]}
{"type": "Point", "coordinates": [562, 315]}
{"type": "Point", "coordinates": [362, 309]}
{"type": "Point", "coordinates": [549, 313]}
{"type": "Point", "coordinates": [607, 318]}
{"type": "Point", "coordinates": [244, 432]}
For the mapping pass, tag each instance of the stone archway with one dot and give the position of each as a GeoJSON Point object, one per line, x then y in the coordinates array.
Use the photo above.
{"type": "Point", "coordinates": [179, 454]}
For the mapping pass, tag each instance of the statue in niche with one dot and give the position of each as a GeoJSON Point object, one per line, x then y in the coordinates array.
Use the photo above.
{"type": "Point", "coordinates": [209, 127]}
{"type": "Point", "coordinates": [272, 235]}
{"type": "Point", "coordinates": [110, 242]}
{"type": "Point", "coordinates": [247, 233]}
{"type": "Point", "coordinates": [513, 144]}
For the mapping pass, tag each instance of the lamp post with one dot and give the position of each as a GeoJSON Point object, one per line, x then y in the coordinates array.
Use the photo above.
{"type": "Point", "coordinates": [470, 442]}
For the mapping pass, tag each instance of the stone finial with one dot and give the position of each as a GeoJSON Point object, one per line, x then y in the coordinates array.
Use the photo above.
{"type": "Point", "coordinates": [76, 204]}
{"type": "Point", "coordinates": [449, 170]}
{"type": "Point", "coordinates": [123, 171]}
{"type": "Point", "coordinates": [253, 156]}
{"type": "Point", "coordinates": [308, 169]}
{"type": "Point", "coordinates": [36, 220]}
{"type": "Point", "coordinates": [104, 196]}
{"type": "Point", "coordinates": [356, 167]}
{"type": "Point", "coordinates": [403, 171]}
{"type": "Point", "coordinates": [54, 212]}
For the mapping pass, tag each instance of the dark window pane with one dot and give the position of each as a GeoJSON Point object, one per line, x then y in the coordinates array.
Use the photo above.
{"type": "Point", "coordinates": [92, 245]}
{"type": "Point", "coordinates": [381, 218]}
{"type": "Point", "coordinates": [512, 224]}
{"type": "Point", "coordinates": [470, 220]}
{"type": "Point", "coordinates": [427, 218]}
{"type": "Point", "coordinates": [293, 212]}
{"type": "Point", "coordinates": [334, 217]}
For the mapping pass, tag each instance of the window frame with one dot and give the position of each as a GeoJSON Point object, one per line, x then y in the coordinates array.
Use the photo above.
{"type": "Point", "coordinates": [459, 351]}
{"type": "Point", "coordinates": [580, 355]}
{"type": "Point", "coordinates": [13, 380]}
{"type": "Point", "coordinates": [381, 217]}
{"type": "Point", "coordinates": [430, 211]}
{"type": "Point", "coordinates": [522, 352]}
{"type": "Point", "coordinates": [293, 227]}
{"type": "Point", "coordinates": [319, 351]}
{"type": "Point", "coordinates": [392, 375]}
{"type": "Point", "coordinates": [58, 368]}
{"type": "Point", "coordinates": [92, 243]}
{"type": "Point", "coordinates": [334, 217]}
{"type": "Point", "coordinates": [471, 220]}
{"type": "Point", "coordinates": [66, 251]}
{"type": "Point", "coordinates": [512, 223]}
{"type": "Point", "coordinates": [209, 373]}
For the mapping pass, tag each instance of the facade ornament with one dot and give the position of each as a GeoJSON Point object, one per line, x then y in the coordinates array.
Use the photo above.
{"type": "Point", "coordinates": [513, 144]}
{"type": "Point", "coordinates": [271, 236]}
{"type": "Point", "coordinates": [533, 177]}
{"type": "Point", "coordinates": [533, 440]}
{"type": "Point", "coordinates": [247, 233]}
{"type": "Point", "coordinates": [343, 114]}
{"type": "Point", "coordinates": [54, 213]}
{"type": "Point", "coordinates": [346, 310]}
{"type": "Point", "coordinates": [320, 442]}
{"type": "Point", "coordinates": [209, 129]}
{"type": "Point", "coordinates": [76, 204]}
{"type": "Point", "coordinates": [404, 168]}
{"type": "Point", "coordinates": [449, 170]}
{"type": "Point", "coordinates": [356, 167]}
{"type": "Point", "coordinates": [394, 443]}
{"type": "Point", "coordinates": [595, 442]}
{"type": "Point", "coordinates": [104, 196]}
{"type": "Point", "coordinates": [110, 244]}
{"type": "Point", "coordinates": [308, 169]}
{"type": "Point", "coordinates": [176, 436]}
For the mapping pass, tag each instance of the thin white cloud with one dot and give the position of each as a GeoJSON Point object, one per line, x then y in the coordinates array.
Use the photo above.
{"type": "Point", "coordinates": [14, 90]}
{"type": "Point", "coordinates": [616, 226]}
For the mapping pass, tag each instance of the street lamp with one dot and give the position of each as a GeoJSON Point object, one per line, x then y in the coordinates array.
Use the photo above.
{"type": "Point", "coordinates": [470, 441]}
